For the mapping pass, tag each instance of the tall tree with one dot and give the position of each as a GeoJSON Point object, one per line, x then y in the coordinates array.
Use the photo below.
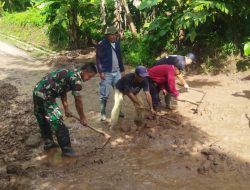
{"type": "Point", "coordinates": [129, 18]}
{"type": "Point", "coordinates": [65, 15]}
{"type": "Point", "coordinates": [73, 24]}
{"type": "Point", "coordinates": [103, 14]}
{"type": "Point", "coordinates": [118, 21]}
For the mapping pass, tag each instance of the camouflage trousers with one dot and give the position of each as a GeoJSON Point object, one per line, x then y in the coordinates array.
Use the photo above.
{"type": "Point", "coordinates": [50, 120]}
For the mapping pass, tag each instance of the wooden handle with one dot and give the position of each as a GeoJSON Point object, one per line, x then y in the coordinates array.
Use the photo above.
{"type": "Point", "coordinates": [189, 101]}
{"type": "Point", "coordinates": [92, 128]}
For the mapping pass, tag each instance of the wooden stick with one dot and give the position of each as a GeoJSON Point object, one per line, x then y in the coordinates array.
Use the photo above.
{"type": "Point", "coordinates": [196, 110]}
{"type": "Point", "coordinates": [197, 90]}
{"type": "Point", "coordinates": [106, 135]}
{"type": "Point", "coordinates": [162, 116]}
{"type": "Point", "coordinates": [189, 101]}
{"type": "Point", "coordinates": [165, 117]}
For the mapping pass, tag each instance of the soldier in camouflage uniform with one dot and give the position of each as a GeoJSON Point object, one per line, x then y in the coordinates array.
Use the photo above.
{"type": "Point", "coordinates": [49, 117]}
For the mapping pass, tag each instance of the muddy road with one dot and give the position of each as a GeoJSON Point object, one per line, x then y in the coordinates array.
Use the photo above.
{"type": "Point", "coordinates": [207, 150]}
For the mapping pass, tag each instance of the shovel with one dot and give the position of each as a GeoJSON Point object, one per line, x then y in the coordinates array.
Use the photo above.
{"type": "Point", "coordinates": [197, 108]}
{"type": "Point", "coordinates": [107, 136]}
{"type": "Point", "coordinates": [161, 116]}
{"type": "Point", "coordinates": [199, 103]}
{"type": "Point", "coordinates": [189, 101]}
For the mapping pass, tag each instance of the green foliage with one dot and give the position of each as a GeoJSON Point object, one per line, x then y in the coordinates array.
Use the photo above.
{"type": "Point", "coordinates": [79, 16]}
{"type": "Point", "coordinates": [160, 36]}
{"type": "Point", "coordinates": [243, 65]}
{"type": "Point", "coordinates": [135, 51]}
{"type": "Point", "coordinates": [29, 33]}
{"type": "Point", "coordinates": [247, 49]}
{"type": "Point", "coordinates": [1, 8]}
{"type": "Point", "coordinates": [16, 5]}
{"type": "Point", "coordinates": [202, 12]}
{"type": "Point", "coordinates": [148, 4]}
{"type": "Point", "coordinates": [228, 49]}
{"type": "Point", "coordinates": [212, 27]}
{"type": "Point", "coordinates": [30, 17]}
{"type": "Point", "coordinates": [57, 34]}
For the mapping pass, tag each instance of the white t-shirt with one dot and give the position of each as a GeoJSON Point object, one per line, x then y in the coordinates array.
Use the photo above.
{"type": "Point", "coordinates": [115, 63]}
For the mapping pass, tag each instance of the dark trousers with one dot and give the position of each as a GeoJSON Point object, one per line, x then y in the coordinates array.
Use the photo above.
{"type": "Point", "coordinates": [50, 120]}
{"type": "Point", "coordinates": [154, 90]}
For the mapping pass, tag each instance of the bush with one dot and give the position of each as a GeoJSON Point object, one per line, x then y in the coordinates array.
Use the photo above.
{"type": "Point", "coordinates": [243, 65]}
{"type": "Point", "coordinates": [135, 51]}
{"type": "Point", "coordinates": [30, 17]}
{"type": "Point", "coordinates": [28, 26]}
{"type": "Point", "coordinates": [247, 49]}
{"type": "Point", "coordinates": [58, 35]}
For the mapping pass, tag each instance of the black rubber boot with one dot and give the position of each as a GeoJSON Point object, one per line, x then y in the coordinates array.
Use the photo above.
{"type": "Point", "coordinates": [121, 115]}
{"type": "Point", "coordinates": [103, 104]}
{"type": "Point", "coordinates": [49, 144]}
{"type": "Point", "coordinates": [62, 134]}
{"type": "Point", "coordinates": [68, 151]}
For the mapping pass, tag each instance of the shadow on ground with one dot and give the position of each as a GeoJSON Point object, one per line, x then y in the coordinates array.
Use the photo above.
{"type": "Point", "coordinates": [246, 78]}
{"type": "Point", "coordinates": [243, 94]}
{"type": "Point", "coordinates": [203, 82]}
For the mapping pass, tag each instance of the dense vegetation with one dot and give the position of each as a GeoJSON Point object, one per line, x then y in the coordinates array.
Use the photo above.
{"type": "Point", "coordinates": [213, 29]}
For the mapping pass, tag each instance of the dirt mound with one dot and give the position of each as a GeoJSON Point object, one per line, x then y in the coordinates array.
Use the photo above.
{"type": "Point", "coordinates": [214, 159]}
{"type": "Point", "coordinates": [8, 92]}
{"type": "Point", "coordinates": [17, 123]}
{"type": "Point", "coordinates": [72, 59]}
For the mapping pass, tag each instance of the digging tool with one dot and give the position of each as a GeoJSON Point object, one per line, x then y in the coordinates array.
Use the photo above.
{"type": "Point", "coordinates": [197, 108]}
{"type": "Point", "coordinates": [199, 103]}
{"type": "Point", "coordinates": [189, 101]}
{"type": "Point", "coordinates": [162, 116]}
{"type": "Point", "coordinates": [197, 90]}
{"type": "Point", "coordinates": [190, 88]}
{"type": "Point", "coordinates": [107, 136]}
{"type": "Point", "coordinates": [167, 118]}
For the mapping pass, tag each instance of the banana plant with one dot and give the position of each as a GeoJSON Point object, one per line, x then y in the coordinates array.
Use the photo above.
{"type": "Point", "coordinates": [66, 15]}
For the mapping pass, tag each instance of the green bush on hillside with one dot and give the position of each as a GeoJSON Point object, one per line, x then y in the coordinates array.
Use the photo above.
{"type": "Point", "coordinates": [30, 17]}
{"type": "Point", "coordinates": [28, 26]}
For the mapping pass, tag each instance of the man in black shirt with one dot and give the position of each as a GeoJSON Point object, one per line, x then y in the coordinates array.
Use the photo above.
{"type": "Point", "coordinates": [130, 85]}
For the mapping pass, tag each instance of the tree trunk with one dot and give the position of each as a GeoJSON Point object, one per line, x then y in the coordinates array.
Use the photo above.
{"type": "Point", "coordinates": [118, 18]}
{"type": "Point", "coordinates": [73, 26]}
{"type": "Point", "coordinates": [103, 15]}
{"type": "Point", "coordinates": [10, 5]}
{"type": "Point", "coordinates": [129, 19]}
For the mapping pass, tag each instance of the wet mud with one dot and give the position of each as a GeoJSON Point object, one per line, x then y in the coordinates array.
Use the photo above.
{"type": "Point", "coordinates": [208, 150]}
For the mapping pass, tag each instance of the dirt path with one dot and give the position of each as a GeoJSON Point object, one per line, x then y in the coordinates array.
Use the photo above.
{"type": "Point", "coordinates": [208, 150]}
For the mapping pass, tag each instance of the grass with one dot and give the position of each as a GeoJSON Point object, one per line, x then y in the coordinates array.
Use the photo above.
{"type": "Point", "coordinates": [29, 34]}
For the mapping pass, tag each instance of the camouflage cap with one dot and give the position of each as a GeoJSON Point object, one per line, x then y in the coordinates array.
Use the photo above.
{"type": "Point", "coordinates": [110, 30]}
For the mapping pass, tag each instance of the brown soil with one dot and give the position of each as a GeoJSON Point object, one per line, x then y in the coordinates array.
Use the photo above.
{"type": "Point", "coordinates": [207, 150]}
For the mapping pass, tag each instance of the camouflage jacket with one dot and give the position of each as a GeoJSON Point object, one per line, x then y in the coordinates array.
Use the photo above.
{"type": "Point", "coordinates": [58, 82]}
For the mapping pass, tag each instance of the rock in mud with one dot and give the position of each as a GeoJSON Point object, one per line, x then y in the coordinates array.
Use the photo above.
{"type": "Point", "coordinates": [125, 128]}
{"type": "Point", "coordinates": [14, 169]}
{"type": "Point", "coordinates": [33, 140]}
{"type": "Point", "coordinates": [204, 168]}
{"type": "Point", "coordinates": [207, 151]}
